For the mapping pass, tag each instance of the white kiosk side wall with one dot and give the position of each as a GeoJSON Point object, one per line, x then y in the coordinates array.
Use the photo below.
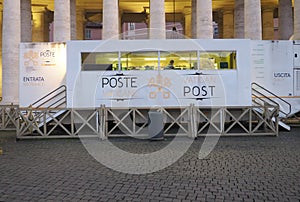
{"type": "Point", "coordinates": [230, 87]}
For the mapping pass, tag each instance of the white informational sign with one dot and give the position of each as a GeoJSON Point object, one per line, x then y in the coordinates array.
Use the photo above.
{"type": "Point", "coordinates": [148, 88]}
{"type": "Point", "coordinates": [272, 66]}
{"type": "Point", "coordinates": [42, 70]}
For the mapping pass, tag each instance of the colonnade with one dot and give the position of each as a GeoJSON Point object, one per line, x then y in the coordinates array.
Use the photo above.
{"type": "Point", "coordinates": [24, 22]}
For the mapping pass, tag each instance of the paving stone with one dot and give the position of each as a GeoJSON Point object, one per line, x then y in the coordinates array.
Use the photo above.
{"type": "Point", "coordinates": [238, 169]}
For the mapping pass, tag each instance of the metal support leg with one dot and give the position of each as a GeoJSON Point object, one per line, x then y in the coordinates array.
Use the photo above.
{"type": "Point", "coordinates": [193, 129]}
{"type": "Point", "coordinates": [102, 123]}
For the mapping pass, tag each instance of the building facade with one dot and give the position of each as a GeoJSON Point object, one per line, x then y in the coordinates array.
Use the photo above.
{"type": "Point", "coordinates": [63, 20]}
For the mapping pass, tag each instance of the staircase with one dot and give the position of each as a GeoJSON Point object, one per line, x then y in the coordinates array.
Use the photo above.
{"type": "Point", "coordinates": [263, 97]}
{"type": "Point", "coordinates": [55, 99]}
{"type": "Point", "coordinates": [44, 110]}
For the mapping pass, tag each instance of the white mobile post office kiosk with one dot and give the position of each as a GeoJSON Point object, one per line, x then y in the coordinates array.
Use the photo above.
{"type": "Point", "coordinates": [111, 86]}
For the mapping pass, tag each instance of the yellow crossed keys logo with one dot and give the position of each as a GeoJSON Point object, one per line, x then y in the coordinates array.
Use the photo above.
{"type": "Point", "coordinates": [160, 83]}
{"type": "Point", "coordinates": [31, 57]}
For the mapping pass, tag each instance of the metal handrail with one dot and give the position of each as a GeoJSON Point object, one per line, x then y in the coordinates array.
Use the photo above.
{"type": "Point", "coordinates": [265, 97]}
{"type": "Point", "coordinates": [51, 98]}
{"type": "Point", "coordinates": [57, 102]}
{"type": "Point", "coordinates": [271, 100]}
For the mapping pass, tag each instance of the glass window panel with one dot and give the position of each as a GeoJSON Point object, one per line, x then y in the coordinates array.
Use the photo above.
{"type": "Point", "coordinates": [182, 60]}
{"type": "Point", "coordinates": [218, 60]}
{"type": "Point", "coordinates": [144, 60]}
{"type": "Point", "coordinates": [88, 34]}
{"type": "Point", "coordinates": [148, 60]}
{"type": "Point", "coordinates": [99, 61]}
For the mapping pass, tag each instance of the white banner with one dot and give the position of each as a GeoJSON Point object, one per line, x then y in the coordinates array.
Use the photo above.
{"type": "Point", "coordinates": [42, 69]}
{"type": "Point", "coordinates": [159, 88]}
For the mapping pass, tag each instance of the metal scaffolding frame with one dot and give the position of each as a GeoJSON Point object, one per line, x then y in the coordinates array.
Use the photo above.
{"type": "Point", "coordinates": [8, 117]}
{"type": "Point", "coordinates": [104, 122]}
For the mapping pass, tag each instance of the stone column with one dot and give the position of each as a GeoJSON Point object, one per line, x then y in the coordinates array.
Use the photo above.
{"type": "Point", "coordinates": [204, 19]}
{"type": "Point", "coordinates": [187, 22]}
{"type": "Point", "coordinates": [120, 23]}
{"type": "Point", "coordinates": [157, 19]}
{"type": "Point", "coordinates": [253, 28]}
{"type": "Point", "coordinates": [11, 39]}
{"type": "Point", "coordinates": [26, 28]}
{"type": "Point", "coordinates": [285, 17]}
{"type": "Point", "coordinates": [296, 20]}
{"type": "Point", "coordinates": [239, 26]}
{"type": "Point", "coordinates": [194, 19]}
{"type": "Point", "coordinates": [80, 21]}
{"type": "Point", "coordinates": [39, 24]}
{"type": "Point", "coordinates": [62, 20]}
{"type": "Point", "coordinates": [110, 19]}
{"type": "Point", "coordinates": [49, 19]}
{"type": "Point", "coordinates": [228, 25]}
{"type": "Point", "coordinates": [220, 24]}
{"type": "Point", "coordinates": [73, 19]}
{"type": "Point", "coordinates": [268, 23]}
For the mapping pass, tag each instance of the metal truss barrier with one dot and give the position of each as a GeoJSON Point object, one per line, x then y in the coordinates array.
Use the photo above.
{"type": "Point", "coordinates": [8, 117]}
{"type": "Point", "coordinates": [58, 123]}
{"type": "Point", "coordinates": [103, 122]}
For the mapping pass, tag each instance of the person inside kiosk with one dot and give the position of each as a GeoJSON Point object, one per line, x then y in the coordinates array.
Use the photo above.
{"type": "Point", "coordinates": [170, 65]}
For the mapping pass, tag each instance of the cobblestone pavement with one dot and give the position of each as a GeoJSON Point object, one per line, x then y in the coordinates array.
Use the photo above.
{"type": "Point", "coordinates": [238, 169]}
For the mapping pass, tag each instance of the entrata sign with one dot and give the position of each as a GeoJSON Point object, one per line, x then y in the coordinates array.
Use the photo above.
{"type": "Point", "coordinates": [42, 69]}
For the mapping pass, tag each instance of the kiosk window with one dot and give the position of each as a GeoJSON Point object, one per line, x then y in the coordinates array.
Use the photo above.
{"type": "Point", "coordinates": [218, 60]}
{"type": "Point", "coordinates": [150, 60]}
{"type": "Point", "coordinates": [142, 60]}
{"type": "Point", "coordinates": [183, 60]}
{"type": "Point", "coordinates": [97, 61]}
